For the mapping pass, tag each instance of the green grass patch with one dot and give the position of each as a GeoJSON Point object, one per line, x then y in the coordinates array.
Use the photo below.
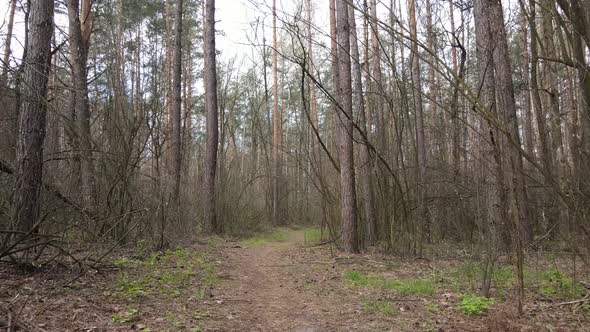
{"type": "Point", "coordinates": [411, 286]}
{"type": "Point", "coordinates": [312, 236]}
{"type": "Point", "coordinates": [468, 277]}
{"type": "Point", "coordinates": [277, 235]}
{"type": "Point", "coordinates": [474, 305]}
{"type": "Point", "coordinates": [167, 273]}
{"type": "Point", "coordinates": [380, 306]}
{"type": "Point", "coordinates": [550, 283]}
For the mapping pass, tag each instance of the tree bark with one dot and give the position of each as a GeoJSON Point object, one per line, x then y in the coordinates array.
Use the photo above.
{"type": "Point", "coordinates": [331, 119]}
{"type": "Point", "coordinates": [421, 211]}
{"type": "Point", "coordinates": [276, 213]}
{"type": "Point", "coordinates": [177, 106]}
{"type": "Point", "coordinates": [80, 28]}
{"type": "Point", "coordinates": [7, 44]}
{"type": "Point", "coordinates": [32, 118]}
{"type": "Point", "coordinates": [494, 61]}
{"type": "Point", "coordinates": [345, 122]}
{"type": "Point", "coordinates": [212, 224]}
{"type": "Point", "coordinates": [169, 86]}
{"type": "Point", "coordinates": [365, 164]}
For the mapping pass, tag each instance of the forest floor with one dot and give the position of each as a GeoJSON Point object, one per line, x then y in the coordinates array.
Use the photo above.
{"type": "Point", "coordinates": [281, 282]}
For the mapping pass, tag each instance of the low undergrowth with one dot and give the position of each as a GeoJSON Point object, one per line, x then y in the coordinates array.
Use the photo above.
{"type": "Point", "coordinates": [163, 277]}
{"type": "Point", "coordinates": [312, 236]}
{"type": "Point", "coordinates": [380, 306]}
{"type": "Point", "coordinates": [163, 274]}
{"type": "Point", "coordinates": [411, 286]}
{"type": "Point", "coordinates": [551, 283]}
{"type": "Point", "coordinates": [461, 284]}
{"type": "Point", "coordinates": [475, 305]}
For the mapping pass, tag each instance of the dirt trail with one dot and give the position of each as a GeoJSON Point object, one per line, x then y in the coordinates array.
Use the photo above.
{"type": "Point", "coordinates": [264, 288]}
{"type": "Point", "coordinates": [283, 285]}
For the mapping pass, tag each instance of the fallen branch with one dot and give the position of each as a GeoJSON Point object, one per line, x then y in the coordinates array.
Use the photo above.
{"type": "Point", "coordinates": [8, 322]}
{"type": "Point", "coordinates": [323, 243]}
{"type": "Point", "coordinates": [586, 298]}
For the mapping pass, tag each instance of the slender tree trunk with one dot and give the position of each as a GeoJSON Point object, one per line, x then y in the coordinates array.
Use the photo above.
{"type": "Point", "coordinates": [276, 215]}
{"type": "Point", "coordinates": [32, 118]}
{"type": "Point", "coordinates": [421, 212]}
{"type": "Point", "coordinates": [7, 44]}
{"type": "Point", "coordinates": [347, 181]}
{"type": "Point", "coordinates": [80, 28]}
{"type": "Point", "coordinates": [212, 224]}
{"type": "Point", "coordinates": [546, 152]}
{"type": "Point", "coordinates": [168, 86]}
{"type": "Point", "coordinates": [177, 106]}
{"type": "Point", "coordinates": [364, 158]}
{"type": "Point", "coordinates": [332, 118]}
{"type": "Point", "coordinates": [529, 134]}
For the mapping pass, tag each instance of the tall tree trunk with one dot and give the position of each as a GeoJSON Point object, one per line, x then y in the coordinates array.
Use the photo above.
{"type": "Point", "coordinates": [421, 212]}
{"type": "Point", "coordinates": [377, 115]}
{"type": "Point", "coordinates": [365, 164]}
{"type": "Point", "coordinates": [345, 123]}
{"type": "Point", "coordinates": [7, 44]}
{"type": "Point", "coordinates": [278, 217]}
{"type": "Point", "coordinates": [490, 160]}
{"type": "Point", "coordinates": [529, 135]}
{"type": "Point", "coordinates": [546, 152]}
{"type": "Point", "coordinates": [177, 109]}
{"type": "Point", "coordinates": [211, 222]}
{"type": "Point", "coordinates": [80, 28]}
{"type": "Point", "coordinates": [32, 118]}
{"type": "Point", "coordinates": [550, 100]}
{"type": "Point", "coordinates": [490, 29]}
{"type": "Point", "coordinates": [169, 86]}
{"type": "Point", "coordinates": [332, 118]}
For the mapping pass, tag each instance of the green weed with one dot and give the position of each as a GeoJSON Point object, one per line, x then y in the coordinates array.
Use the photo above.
{"type": "Point", "coordinates": [129, 316]}
{"type": "Point", "coordinates": [410, 286]}
{"type": "Point", "coordinates": [474, 305]}
{"type": "Point", "coordinates": [355, 278]}
{"type": "Point", "coordinates": [380, 306]}
{"type": "Point", "coordinates": [131, 289]}
{"type": "Point", "coordinates": [125, 262]}
{"type": "Point", "coordinates": [200, 315]}
{"type": "Point", "coordinates": [554, 284]}
{"type": "Point", "coordinates": [468, 276]}
{"type": "Point", "coordinates": [400, 286]}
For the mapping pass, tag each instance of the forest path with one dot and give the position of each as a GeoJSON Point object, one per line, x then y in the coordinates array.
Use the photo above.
{"type": "Point", "coordinates": [263, 290]}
